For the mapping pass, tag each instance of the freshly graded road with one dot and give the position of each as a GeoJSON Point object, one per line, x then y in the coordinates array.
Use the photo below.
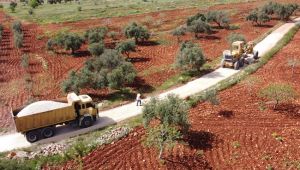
{"type": "Point", "coordinates": [112, 116]}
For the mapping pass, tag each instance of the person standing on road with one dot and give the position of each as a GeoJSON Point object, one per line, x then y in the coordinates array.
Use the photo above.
{"type": "Point", "coordinates": [138, 100]}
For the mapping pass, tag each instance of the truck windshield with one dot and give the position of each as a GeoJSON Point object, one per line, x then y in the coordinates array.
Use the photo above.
{"type": "Point", "coordinates": [89, 105]}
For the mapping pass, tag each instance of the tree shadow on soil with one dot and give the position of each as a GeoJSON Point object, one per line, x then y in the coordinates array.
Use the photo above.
{"type": "Point", "coordinates": [138, 59]}
{"type": "Point", "coordinates": [226, 113]}
{"type": "Point", "coordinates": [201, 140]}
{"type": "Point", "coordinates": [263, 26]}
{"type": "Point", "coordinates": [141, 86]}
{"type": "Point", "coordinates": [120, 95]}
{"type": "Point", "coordinates": [289, 109]}
{"type": "Point", "coordinates": [148, 43]}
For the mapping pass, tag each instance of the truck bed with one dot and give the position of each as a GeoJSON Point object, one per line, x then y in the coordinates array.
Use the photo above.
{"type": "Point", "coordinates": [42, 114]}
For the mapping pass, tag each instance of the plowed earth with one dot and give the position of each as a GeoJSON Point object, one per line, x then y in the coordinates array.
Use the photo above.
{"type": "Point", "coordinates": [237, 134]}
{"type": "Point", "coordinates": [43, 77]}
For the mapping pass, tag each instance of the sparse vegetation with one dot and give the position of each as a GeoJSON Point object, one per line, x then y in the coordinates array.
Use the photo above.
{"type": "Point", "coordinates": [25, 61]}
{"type": "Point", "coordinates": [18, 34]}
{"type": "Point", "coordinates": [178, 32]}
{"type": "Point", "coordinates": [278, 92]}
{"type": "Point", "coordinates": [171, 119]}
{"type": "Point", "coordinates": [293, 63]}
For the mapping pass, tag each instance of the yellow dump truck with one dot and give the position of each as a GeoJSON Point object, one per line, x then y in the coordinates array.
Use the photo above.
{"type": "Point", "coordinates": [38, 120]}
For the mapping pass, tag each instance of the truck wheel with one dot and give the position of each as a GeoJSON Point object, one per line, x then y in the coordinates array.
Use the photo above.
{"type": "Point", "coordinates": [86, 122]}
{"type": "Point", "coordinates": [223, 63]}
{"type": "Point", "coordinates": [48, 132]}
{"type": "Point", "coordinates": [236, 65]}
{"type": "Point", "coordinates": [32, 136]}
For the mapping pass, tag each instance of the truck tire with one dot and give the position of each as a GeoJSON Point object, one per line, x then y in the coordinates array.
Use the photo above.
{"type": "Point", "coordinates": [48, 132]}
{"type": "Point", "coordinates": [86, 121]}
{"type": "Point", "coordinates": [32, 136]}
{"type": "Point", "coordinates": [236, 65]}
{"type": "Point", "coordinates": [223, 63]}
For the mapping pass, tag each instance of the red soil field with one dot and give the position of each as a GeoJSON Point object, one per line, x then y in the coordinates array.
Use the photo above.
{"type": "Point", "coordinates": [153, 62]}
{"type": "Point", "coordinates": [236, 134]}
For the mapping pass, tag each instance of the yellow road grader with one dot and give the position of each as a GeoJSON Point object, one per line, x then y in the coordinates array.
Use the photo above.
{"type": "Point", "coordinates": [239, 55]}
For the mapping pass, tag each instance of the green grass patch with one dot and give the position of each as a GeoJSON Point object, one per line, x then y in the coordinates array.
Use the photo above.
{"type": "Point", "coordinates": [63, 12]}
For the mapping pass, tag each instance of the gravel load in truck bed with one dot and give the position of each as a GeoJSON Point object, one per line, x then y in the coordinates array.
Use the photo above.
{"type": "Point", "coordinates": [41, 106]}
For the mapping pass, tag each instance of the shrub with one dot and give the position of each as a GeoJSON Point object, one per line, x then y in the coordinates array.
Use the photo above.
{"type": "Point", "coordinates": [199, 26]}
{"type": "Point", "coordinates": [138, 32]}
{"type": "Point", "coordinates": [278, 92]}
{"type": "Point", "coordinates": [218, 17]}
{"type": "Point", "coordinates": [33, 3]}
{"type": "Point", "coordinates": [1, 6]}
{"type": "Point", "coordinates": [113, 35]}
{"type": "Point", "coordinates": [190, 57]}
{"type": "Point", "coordinates": [108, 70]}
{"type": "Point", "coordinates": [95, 35]}
{"type": "Point", "coordinates": [25, 61]}
{"type": "Point", "coordinates": [1, 32]}
{"type": "Point", "coordinates": [12, 6]}
{"type": "Point", "coordinates": [18, 39]}
{"type": "Point", "coordinates": [79, 8]}
{"type": "Point", "coordinates": [17, 26]}
{"type": "Point", "coordinates": [195, 18]}
{"type": "Point", "coordinates": [126, 47]}
{"type": "Point", "coordinates": [232, 37]}
{"type": "Point", "coordinates": [258, 17]}
{"type": "Point", "coordinates": [179, 31]}
{"type": "Point", "coordinates": [171, 117]}
{"type": "Point", "coordinates": [96, 49]}
{"type": "Point", "coordinates": [30, 11]}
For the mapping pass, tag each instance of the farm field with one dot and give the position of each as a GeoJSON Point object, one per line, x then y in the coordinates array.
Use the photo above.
{"type": "Point", "coordinates": [239, 133]}
{"type": "Point", "coordinates": [64, 12]}
{"type": "Point", "coordinates": [48, 70]}
{"type": "Point", "coordinates": [153, 62]}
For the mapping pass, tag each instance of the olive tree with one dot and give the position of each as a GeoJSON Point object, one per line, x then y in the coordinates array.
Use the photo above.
{"type": "Point", "coordinates": [71, 84]}
{"type": "Point", "coordinates": [178, 32]}
{"type": "Point", "coordinates": [278, 92]}
{"type": "Point", "coordinates": [68, 41]}
{"type": "Point", "coordinates": [195, 18]}
{"type": "Point", "coordinates": [108, 70]}
{"type": "Point", "coordinates": [96, 49]}
{"type": "Point", "coordinates": [95, 35]}
{"type": "Point", "coordinates": [138, 32]}
{"type": "Point", "coordinates": [218, 17]}
{"type": "Point", "coordinates": [198, 27]}
{"type": "Point", "coordinates": [126, 47]}
{"type": "Point", "coordinates": [232, 37]}
{"type": "Point", "coordinates": [270, 8]}
{"type": "Point", "coordinates": [285, 11]}
{"type": "Point", "coordinates": [189, 57]}
{"type": "Point", "coordinates": [259, 17]}
{"type": "Point", "coordinates": [171, 122]}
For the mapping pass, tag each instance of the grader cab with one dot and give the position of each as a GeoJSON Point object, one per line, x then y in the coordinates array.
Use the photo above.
{"type": "Point", "coordinates": [239, 55]}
